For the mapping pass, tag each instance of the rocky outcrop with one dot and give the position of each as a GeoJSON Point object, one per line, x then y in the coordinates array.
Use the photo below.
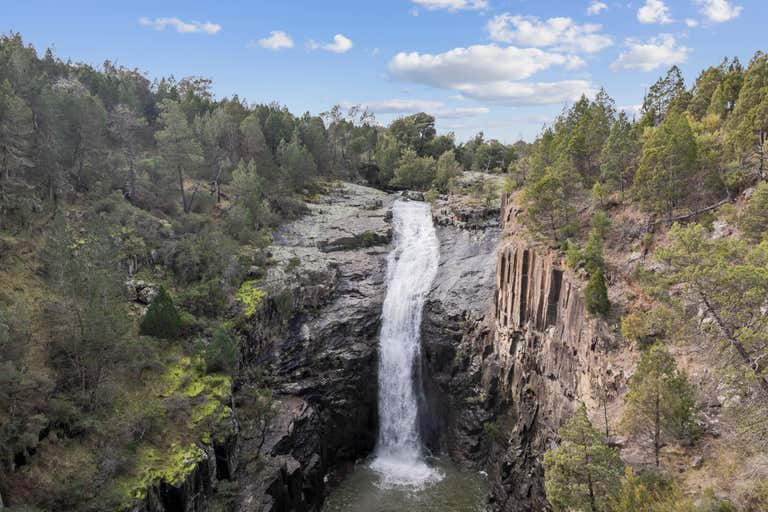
{"type": "Point", "coordinates": [193, 493]}
{"type": "Point", "coordinates": [315, 340]}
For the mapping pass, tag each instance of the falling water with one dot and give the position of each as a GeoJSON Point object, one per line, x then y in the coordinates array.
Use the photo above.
{"type": "Point", "coordinates": [399, 458]}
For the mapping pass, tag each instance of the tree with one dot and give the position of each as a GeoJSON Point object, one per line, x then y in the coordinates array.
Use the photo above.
{"type": "Point", "coordinates": [728, 280]}
{"type": "Point", "coordinates": [596, 294]}
{"type": "Point", "coordinates": [125, 127]}
{"type": "Point", "coordinates": [386, 156]}
{"type": "Point", "coordinates": [296, 163]}
{"type": "Point", "coordinates": [754, 218]}
{"type": "Point", "coordinates": [667, 162]}
{"type": "Point", "coordinates": [549, 194]}
{"type": "Point", "coordinates": [666, 95]}
{"type": "Point", "coordinates": [659, 401]}
{"type": "Point", "coordinates": [179, 148]}
{"type": "Point", "coordinates": [619, 155]}
{"type": "Point", "coordinates": [161, 320]}
{"type": "Point", "coordinates": [583, 472]}
{"type": "Point", "coordinates": [448, 169]}
{"type": "Point", "coordinates": [414, 171]}
{"type": "Point", "coordinates": [748, 124]}
{"type": "Point", "coordinates": [15, 131]}
{"type": "Point", "coordinates": [87, 321]}
{"type": "Point", "coordinates": [415, 132]}
{"type": "Point", "coordinates": [23, 391]}
{"type": "Point", "coordinates": [221, 352]}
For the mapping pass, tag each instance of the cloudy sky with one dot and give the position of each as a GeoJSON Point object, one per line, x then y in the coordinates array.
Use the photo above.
{"type": "Point", "coordinates": [502, 66]}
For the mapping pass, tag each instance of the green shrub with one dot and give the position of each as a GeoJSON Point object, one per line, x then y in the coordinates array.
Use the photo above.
{"type": "Point", "coordinates": [221, 353]}
{"type": "Point", "coordinates": [162, 319]}
{"type": "Point", "coordinates": [596, 294]}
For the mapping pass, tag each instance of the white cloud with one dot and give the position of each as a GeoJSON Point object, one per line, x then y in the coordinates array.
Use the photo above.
{"type": "Point", "coordinates": [654, 53]}
{"type": "Point", "coordinates": [486, 63]}
{"type": "Point", "coordinates": [718, 11]}
{"type": "Point", "coordinates": [691, 23]}
{"type": "Point", "coordinates": [182, 27]}
{"type": "Point", "coordinates": [311, 45]}
{"type": "Point", "coordinates": [413, 12]}
{"type": "Point", "coordinates": [410, 106]}
{"type": "Point", "coordinates": [654, 11]}
{"type": "Point", "coordinates": [527, 93]}
{"type": "Point", "coordinates": [492, 73]}
{"type": "Point", "coordinates": [277, 40]}
{"type": "Point", "coordinates": [596, 7]}
{"type": "Point", "coordinates": [452, 5]}
{"type": "Point", "coordinates": [560, 33]}
{"type": "Point", "coordinates": [631, 110]}
{"type": "Point", "coordinates": [340, 44]}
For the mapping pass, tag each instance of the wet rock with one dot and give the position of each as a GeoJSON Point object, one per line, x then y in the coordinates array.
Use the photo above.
{"type": "Point", "coordinates": [320, 354]}
{"type": "Point", "coordinates": [413, 195]}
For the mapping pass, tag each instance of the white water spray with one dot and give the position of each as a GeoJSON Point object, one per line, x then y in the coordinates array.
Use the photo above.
{"type": "Point", "coordinates": [412, 267]}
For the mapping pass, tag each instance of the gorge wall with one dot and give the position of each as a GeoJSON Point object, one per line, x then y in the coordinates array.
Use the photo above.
{"type": "Point", "coordinates": [546, 356]}
{"type": "Point", "coordinates": [509, 354]}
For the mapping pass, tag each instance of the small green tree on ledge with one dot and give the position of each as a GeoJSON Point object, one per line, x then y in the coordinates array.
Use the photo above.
{"type": "Point", "coordinates": [162, 319]}
{"type": "Point", "coordinates": [596, 294]}
{"type": "Point", "coordinates": [583, 473]}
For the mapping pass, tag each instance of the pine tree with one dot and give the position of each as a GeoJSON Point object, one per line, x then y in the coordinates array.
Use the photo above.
{"type": "Point", "coordinates": [619, 155]}
{"type": "Point", "coordinates": [659, 401]}
{"type": "Point", "coordinates": [596, 294]}
{"type": "Point", "coordinates": [161, 320]}
{"type": "Point", "coordinates": [15, 131]}
{"type": "Point", "coordinates": [179, 148]}
{"type": "Point", "coordinates": [583, 472]}
{"type": "Point", "coordinates": [668, 160]}
{"type": "Point", "coordinates": [748, 124]}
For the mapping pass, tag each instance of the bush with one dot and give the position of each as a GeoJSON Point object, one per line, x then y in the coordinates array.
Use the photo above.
{"type": "Point", "coordinates": [596, 294]}
{"type": "Point", "coordinates": [754, 219]}
{"type": "Point", "coordinates": [162, 319]}
{"type": "Point", "coordinates": [221, 353]}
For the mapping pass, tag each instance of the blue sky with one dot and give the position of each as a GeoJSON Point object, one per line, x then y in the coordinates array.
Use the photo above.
{"type": "Point", "coordinates": [505, 67]}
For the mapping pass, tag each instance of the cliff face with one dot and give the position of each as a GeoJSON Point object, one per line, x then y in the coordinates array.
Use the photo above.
{"type": "Point", "coordinates": [509, 353]}
{"type": "Point", "coordinates": [546, 356]}
{"type": "Point", "coordinates": [314, 339]}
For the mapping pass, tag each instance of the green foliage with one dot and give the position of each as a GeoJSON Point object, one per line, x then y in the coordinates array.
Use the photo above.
{"type": "Point", "coordinates": [448, 169]}
{"type": "Point", "coordinates": [414, 171]}
{"type": "Point", "coordinates": [250, 297]}
{"type": "Point", "coordinates": [596, 294]}
{"type": "Point", "coordinates": [221, 353]}
{"type": "Point", "coordinates": [583, 472]}
{"type": "Point", "coordinates": [414, 132]}
{"type": "Point", "coordinates": [296, 163]}
{"type": "Point", "coordinates": [599, 194]}
{"type": "Point", "coordinates": [666, 165]}
{"type": "Point", "coordinates": [754, 218]}
{"type": "Point", "coordinates": [15, 131]}
{"type": "Point", "coordinates": [162, 319]}
{"type": "Point", "coordinates": [179, 149]}
{"type": "Point", "coordinates": [648, 492]}
{"type": "Point", "coordinates": [619, 155]}
{"type": "Point", "coordinates": [659, 402]}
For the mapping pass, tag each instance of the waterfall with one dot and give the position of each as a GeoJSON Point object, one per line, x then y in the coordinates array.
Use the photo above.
{"type": "Point", "coordinates": [412, 267]}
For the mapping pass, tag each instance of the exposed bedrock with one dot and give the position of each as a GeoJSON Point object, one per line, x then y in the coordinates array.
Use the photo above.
{"type": "Point", "coordinates": [315, 337]}
{"type": "Point", "coordinates": [546, 356]}
{"type": "Point", "coordinates": [456, 325]}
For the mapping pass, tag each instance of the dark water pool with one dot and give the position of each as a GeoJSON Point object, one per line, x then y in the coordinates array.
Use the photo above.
{"type": "Point", "coordinates": [363, 491]}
